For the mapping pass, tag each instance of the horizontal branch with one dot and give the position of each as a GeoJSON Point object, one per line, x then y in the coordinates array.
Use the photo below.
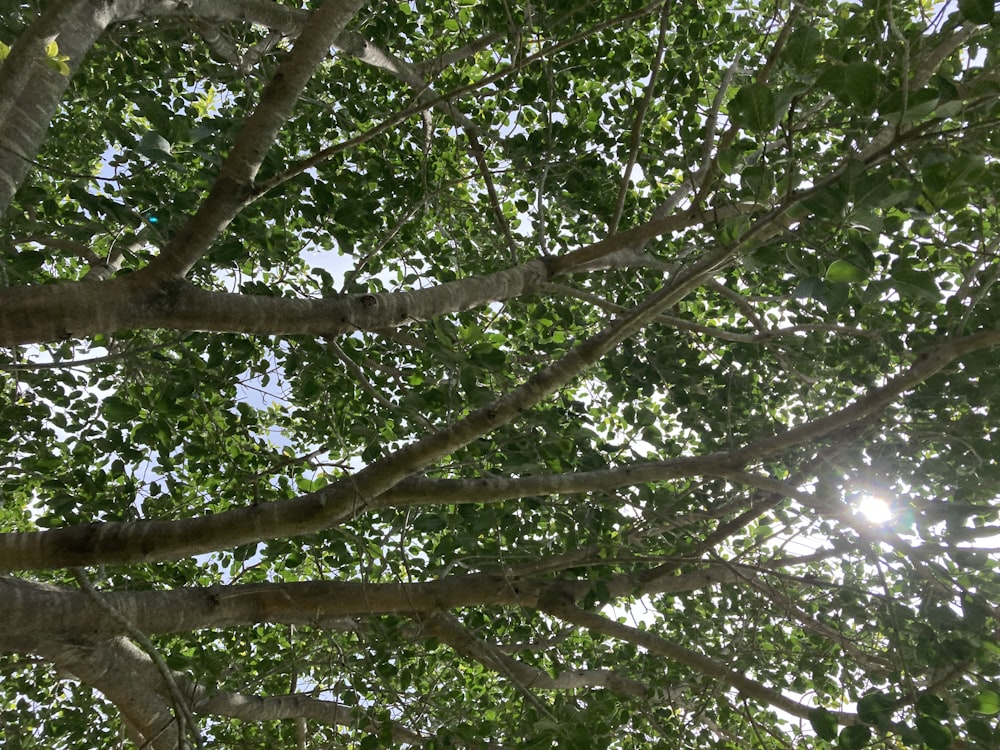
{"type": "Point", "coordinates": [257, 709]}
{"type": "Point", "coordinates": [449, 630]}
{"type": "Point", "coordinates": [294, 603]}
{"type": "Point", "coordinates": [145, 300]}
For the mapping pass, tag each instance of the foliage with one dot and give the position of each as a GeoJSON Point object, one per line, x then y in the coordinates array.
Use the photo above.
{"type": "Point", "coordinates": [479, 375]}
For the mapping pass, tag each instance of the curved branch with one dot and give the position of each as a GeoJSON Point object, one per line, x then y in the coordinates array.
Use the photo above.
{"type": "Point", "coordinates": [186, 722]}
{"type": "Point", "coordinates": [126, 676]}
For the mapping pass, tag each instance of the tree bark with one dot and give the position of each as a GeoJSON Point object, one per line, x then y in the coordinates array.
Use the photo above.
{"type": "Point", "coordinates": [32, 89]}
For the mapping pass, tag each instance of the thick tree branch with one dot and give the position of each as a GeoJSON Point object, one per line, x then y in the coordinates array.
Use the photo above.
{"type": "Point", "coordinates": [56, 312]}
{"type": "Point", "coordinates": [126, 676]}
{"type": "Point", "coordinates": [186, 722]}
{"type": "Point", "coordinates": [161, 540]}
{"type": "Point", "coordinates": [301, 603]}
{"type": "Point", "coordinates": [32, 90]}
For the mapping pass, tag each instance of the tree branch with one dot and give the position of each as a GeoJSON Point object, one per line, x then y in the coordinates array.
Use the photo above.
{"type": "Point", "coordinates": [447, 629]}
{"type": "Point", "coordinates": [185, 719]}
{"type": "Point", "coordinates": [702, 664]}
{"type": "Point", "coordinates": [95, 544]}
{"type": "Point", "coordinates": [32, 90]}
{"type": "Point", "coordinates": [234, 184]}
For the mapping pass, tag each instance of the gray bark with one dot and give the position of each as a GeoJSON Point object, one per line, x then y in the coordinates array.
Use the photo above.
{"type": "Point", "coordinates": [31, 89]}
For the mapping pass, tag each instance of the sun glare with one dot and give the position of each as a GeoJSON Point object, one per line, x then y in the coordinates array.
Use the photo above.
{"type": "Point", "coordinates": [874, 508]}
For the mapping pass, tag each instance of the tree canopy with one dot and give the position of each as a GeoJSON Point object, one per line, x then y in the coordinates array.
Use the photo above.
{"type": "Point", "coordinates": [475, 374]}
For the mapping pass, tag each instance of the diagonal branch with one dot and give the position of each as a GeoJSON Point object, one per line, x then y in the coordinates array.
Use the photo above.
{"type": "Point", "coordinates": [32, 90]}
{"type": "Point", "coordinates": [637, 122]}
{"type": "Point", "coordinates": [596, 623]}
{"type": "Point", "coordinates": [125, 675]}
{"type": "Point", "coordinates": [926, 364]}
{"type": "Point", "coordinates": [234, 184]}
{"type": "Point", "coordinates": [447, 629]}
{"type": "Point", "coordinates": [185, 720]}
{"type": "Point", "coordinates": [159, 540]}
{"type": "Point", "coordinates": [117, 542]}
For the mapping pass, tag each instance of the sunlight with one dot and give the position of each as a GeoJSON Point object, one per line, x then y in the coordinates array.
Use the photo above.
{"type": "Point", "coordinates": [874, 508]}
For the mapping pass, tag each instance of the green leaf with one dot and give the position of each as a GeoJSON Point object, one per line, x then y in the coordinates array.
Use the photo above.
{"type": "Point", "coordinates": [980, 730]}
{"type": "Point", "coordinates": [58, 65]}
{"type": "Point", "coordinates": [977, 11]}
{"type": "Point", "coordinates": [824, 723]}
{"type": "Point", "coordinates": [118, 409]}
{"type": "Point", "coordinates": [154, 146]}
{"type": "Point", "coordinates": [841, 271]}
{"type": "Point", "coordinates": [932, 706]}
{"type": "Point", "coordinates": [934, 734]}
{"type": "Point", "coordinates": [914, 283]}
{"type": "Point", "coordinates": [802, 48]}
{"type": "Point", "coordinates": [758, 179]}
{"type": "Point", "coordinates": [4, 51]}
{"type": "Point", "coordinates": [861, 82]}
{"type": "Point", "coordinates": [854, 737]}
{"type": "Point", "coordinates": [919, 105]}
{"type": "Point", "coordinates": [876, 708]}
{"type": "Point", "coordinates": [987, 702]}
{"type": "Point", "coordinates": [958, 649]}
{"type": "Point", "coordinates": [754, 108]}
{"type": "Point", "coordinates": [811, 287]}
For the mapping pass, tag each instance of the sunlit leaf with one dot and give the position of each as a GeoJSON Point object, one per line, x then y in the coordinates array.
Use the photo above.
{"type": "Point", "coordinates": [844, 271]}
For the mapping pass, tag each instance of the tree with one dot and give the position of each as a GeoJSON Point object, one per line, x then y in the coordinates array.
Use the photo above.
{"type": "Point", "coordinates": [491, 375]}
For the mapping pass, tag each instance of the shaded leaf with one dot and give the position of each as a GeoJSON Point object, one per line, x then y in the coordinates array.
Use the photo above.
{"type": "Point", "coordinates": [754, 108]}
{"type": "Point", "coordinates": [934, 734]}
{"type": "Point", "coordinates": [861, 82]}
{"type": "Point", "coordinates": [824, 723]}
{"type": "Point", "coordinates": [854, 737]}
{"type": "Point", "coordinates": [977, 11]}
{"type": "Point", "coordinates": [876, 709]}
{"type": "Point", "coordinates": [803, 47]}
